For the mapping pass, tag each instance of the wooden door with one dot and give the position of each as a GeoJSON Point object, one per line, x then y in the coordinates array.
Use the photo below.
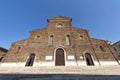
{"type": "Point", "coordinates": [60, 59]}
{"type": "Point", "coordinates": [30, 60]}
{"type": "Point", "coordinates": [89, 60]}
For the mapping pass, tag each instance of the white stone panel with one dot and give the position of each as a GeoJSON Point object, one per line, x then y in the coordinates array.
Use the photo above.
{"type": "Point", "coordinates": [71, 57]}
{"type": "Point", "coordinates": [48, 57]}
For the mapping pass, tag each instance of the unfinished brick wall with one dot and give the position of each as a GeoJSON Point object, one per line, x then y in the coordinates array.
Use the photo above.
{"type": "Point", "coordinates": [59, 34]}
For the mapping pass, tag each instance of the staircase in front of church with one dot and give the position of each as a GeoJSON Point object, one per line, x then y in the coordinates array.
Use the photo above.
{"type": "Point", "coordinates": [61, 73]}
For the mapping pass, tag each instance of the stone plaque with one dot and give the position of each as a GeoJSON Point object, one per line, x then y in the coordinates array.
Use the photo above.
{"type": "Point", "coordinates": [70, 57]}
{"type": "Point", "coordinates": [48, 58]}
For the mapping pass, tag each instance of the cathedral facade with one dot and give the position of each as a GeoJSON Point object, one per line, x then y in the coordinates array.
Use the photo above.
{"type": "Point", "coordinates": [59, 44]}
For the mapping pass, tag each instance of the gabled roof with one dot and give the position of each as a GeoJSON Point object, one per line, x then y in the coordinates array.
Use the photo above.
{"type": "Point", "coordinates": [60, 17]}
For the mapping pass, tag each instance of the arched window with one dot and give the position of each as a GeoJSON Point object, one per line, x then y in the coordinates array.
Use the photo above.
{"type": "Point", "coordinates": [18, 49]}
{"type": "Point", "coordinates": [37, 37]}
{"type": "Point", "coordinates": [30, 60]}
{"type": "Point", "coordinates": [59, 25]}
{"type": "Point", "coordinates": [115, 49]}
{"type": "Point", "coordinates": [102, 48]}
{"type": "Point", "coordinates": [51, 40]}
{"type": "Point", "coordinates": [68, 40]}
{"type": "Point", "coordinates": [89, 60]}
{"type": "Point", "coordinates": [81, 36]}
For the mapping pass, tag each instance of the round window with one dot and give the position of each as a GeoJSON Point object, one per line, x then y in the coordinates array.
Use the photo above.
{"type": "Point", "coordinates": [59, 25]}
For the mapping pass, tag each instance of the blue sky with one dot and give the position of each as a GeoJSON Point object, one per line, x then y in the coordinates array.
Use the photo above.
{"type": "Point", "coordinates": [17, 17]}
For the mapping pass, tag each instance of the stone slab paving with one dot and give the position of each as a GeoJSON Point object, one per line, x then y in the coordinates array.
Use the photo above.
{"type": "Point", "coordinates": [60, 73]}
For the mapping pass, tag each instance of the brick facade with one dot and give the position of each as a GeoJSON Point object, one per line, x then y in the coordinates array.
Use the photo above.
{"type": "Point", "coordinates": [60, 34]}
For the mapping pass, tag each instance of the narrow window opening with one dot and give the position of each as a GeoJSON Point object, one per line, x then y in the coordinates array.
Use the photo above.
{"type": "Point", "coordinates": [102, 49]}
{"type": "Point", "coordinates": [51, 40]}
{"type": "Point", "coordinates": [81, 37]}
{"type": "Point", "coordinates": [18, 49]}
{"type": "Point", "coordinates": [59, 25]}
{"type": "Point", "coordinates": [30, 60]}
{"type": "Point", "coordinates": [37, 37]}
{"type": "Point", "coordinates": [68, 40]}
{"type": "Point", "coordinates": [89, 60]}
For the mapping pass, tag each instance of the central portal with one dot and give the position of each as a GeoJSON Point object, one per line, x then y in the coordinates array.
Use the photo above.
{"type": "Point", "coordinates": [60, 59]}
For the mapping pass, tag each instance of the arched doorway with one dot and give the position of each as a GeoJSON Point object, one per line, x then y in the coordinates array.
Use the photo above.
{"type": "Point", "coordinates": [89, 60]}
{"type": "Point", "coordinates": [30, 60]}
{"type": "Point", "coordinates": [59, 57]}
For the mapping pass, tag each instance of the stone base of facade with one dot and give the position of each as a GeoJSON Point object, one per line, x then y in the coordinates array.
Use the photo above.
{"type": "Point", "coordinates": [52, 63]}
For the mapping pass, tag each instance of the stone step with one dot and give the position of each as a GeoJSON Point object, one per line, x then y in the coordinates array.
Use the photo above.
{"type": "Point", "coordinates": [57, 77]}
{"type": "Point", "coordinates": [60, 73]}
{"type": "Point", "coordinates": [104, 70]}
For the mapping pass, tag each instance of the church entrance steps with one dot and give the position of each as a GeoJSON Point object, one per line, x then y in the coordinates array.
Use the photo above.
{"type": "Point", "coordinates": [94, 70]}
{"type": "Point", "coordinates": [57, 77]}
{"type": "Point", "coordinates": [60, 73]}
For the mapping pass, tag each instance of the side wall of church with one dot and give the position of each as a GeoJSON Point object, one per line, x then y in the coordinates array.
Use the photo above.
{"type": "Point", "coordinates": [103, 52]}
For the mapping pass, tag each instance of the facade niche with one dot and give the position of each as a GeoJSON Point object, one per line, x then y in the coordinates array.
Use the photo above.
{"type": "Point", "coordinates": [102, 48]}
{"type": "Point", "coordinates": [18, 49]}
{"type": "Point", "coordinates": [51, 39]}
{"type": "Point", "coordinates": [30, 60]}
{"type": "Point", "coordinates": [68, 40]}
